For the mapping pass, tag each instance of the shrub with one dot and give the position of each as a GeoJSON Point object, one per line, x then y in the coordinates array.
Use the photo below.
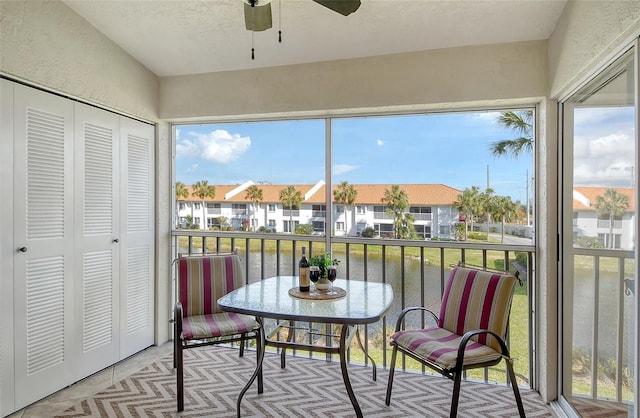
{"type": "Point", "coordinates": [588, 242]}
{"type": "Point", "coordinates": [369, 232]}
{"type": "Point", "coordinates": [478, 236]}
{"type": "Point", "coordinates": [522, 258]}
{"type": "Point", "coordinates": [459, 231]}
{"type": "Point", "coordinates": [304, 229]}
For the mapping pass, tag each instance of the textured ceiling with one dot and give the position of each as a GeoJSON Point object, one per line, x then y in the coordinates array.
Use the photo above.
{"type": "Point", "coordinates": [190, 37]}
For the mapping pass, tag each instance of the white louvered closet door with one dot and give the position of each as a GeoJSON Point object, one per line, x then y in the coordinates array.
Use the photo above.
{"type": "Point", "coordinates": [97, 233]}
{"type": "Point", "coordinates": [43, 239]}
{"type": "Point", "coordinates": [77, 283]}
{"type": "Point", "coordinates": [7, 248]}
{"type": "Point", "coordinates": [137, 238]}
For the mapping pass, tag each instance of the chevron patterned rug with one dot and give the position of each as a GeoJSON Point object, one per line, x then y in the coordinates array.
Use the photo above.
{"type": "Point", "coordinates": [305, 388]}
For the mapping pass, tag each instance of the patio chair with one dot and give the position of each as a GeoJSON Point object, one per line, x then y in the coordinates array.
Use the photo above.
{"type": "Point", "coordinates": [202, 280]}
{"type": "Point", "coordinates": [469, 334]}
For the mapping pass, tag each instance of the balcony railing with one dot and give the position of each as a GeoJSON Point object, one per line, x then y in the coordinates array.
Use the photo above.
{"type": "Point", "coordinates": [287, 212]}
{"type": "Point", "coordinates": [602, 321]}
{"type": "Point", "coordinates": [238, 212]}
{"type": "Point", "coordinates": [381, 215]}
{"type": "Point", "coordinates": [417, 271]}
{"type": "Point", "coordinates": [604, 223]}
{"type": "Point", "coordinates": [422, 216]}
{"type": "Point", "coordinates": [318, 213]}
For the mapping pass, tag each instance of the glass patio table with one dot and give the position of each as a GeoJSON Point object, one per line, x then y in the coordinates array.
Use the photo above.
{"type": "Point", "coordinates": [364, 303]}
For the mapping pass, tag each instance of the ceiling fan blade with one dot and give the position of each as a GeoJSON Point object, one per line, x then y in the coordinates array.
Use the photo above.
{"type": "Point", "coordinates": [344, 7]}
{"type": "Point", "coordinates": [257, 18]}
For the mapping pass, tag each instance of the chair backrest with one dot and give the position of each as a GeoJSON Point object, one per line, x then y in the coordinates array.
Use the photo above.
{"type": "Point", "coordinates": [477, 299]}
{"type": "Point", "coordinates": [203, 279]}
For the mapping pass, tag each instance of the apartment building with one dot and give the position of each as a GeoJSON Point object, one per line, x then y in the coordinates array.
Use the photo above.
{"type": "Point", "coordinates": [600, 229]}
{"type": "Point", "coordinates": [430, 204]}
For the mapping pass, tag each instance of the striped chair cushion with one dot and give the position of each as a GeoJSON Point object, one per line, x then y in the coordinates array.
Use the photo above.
{"type": "Point", "coordinates": [476, 299]}
{"type": "Point", "coordinates": [217, 325]}
{"type": "Point", "coordinates": [205, 279]}
{"type": "Point", "coordinates": [440, 346]}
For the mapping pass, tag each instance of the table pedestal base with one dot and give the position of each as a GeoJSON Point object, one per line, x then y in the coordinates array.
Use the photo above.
{"type": "Point", "coordinates": [347, 332]}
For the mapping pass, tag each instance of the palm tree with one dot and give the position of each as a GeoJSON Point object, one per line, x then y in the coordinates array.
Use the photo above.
{"type": "Point", "coordinates": [290, 197]}
{"type": "Point", "coordinates": [204, 190]}
{"type": "Point", "coordinates": [254, 193]}
{"type": "Point", "coordinates": [345, 194]}
{"type": "Point", "coordinates": [181, 193]}
{"type": "Point", "coordinates": [612, 204]}
{"type": "Point", "coordinates": [520, 121]}
{"type": "Point", "coordinates": [466, 204]}
{"type": "Point", "coordinates": [504, 208]}
{"type": "Point", "coordinates": [397, 202]}
{"type": "Point", "coordinates": [484, 204]}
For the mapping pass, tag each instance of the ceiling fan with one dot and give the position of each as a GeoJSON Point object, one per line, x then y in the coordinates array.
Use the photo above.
{"type": "Point", "coordinates": [257, 13]}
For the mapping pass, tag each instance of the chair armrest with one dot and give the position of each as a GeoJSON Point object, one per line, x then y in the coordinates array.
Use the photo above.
{"type": "Point", "coordinates": [405, 311]}
{"type": "Point", "coordinates": [467, 336]}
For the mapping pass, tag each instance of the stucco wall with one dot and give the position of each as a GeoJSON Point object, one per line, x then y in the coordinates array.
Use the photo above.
{"type": "Point", "coordinates": [457, 75]}
{"type": "Point", "coordinates": [586, 34]}
{"type": "Point", "coordinates": [47, 44]}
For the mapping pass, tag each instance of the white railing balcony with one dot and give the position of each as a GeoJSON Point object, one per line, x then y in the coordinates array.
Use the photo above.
{"type": "Point", "coordinates": [381, 215]}
{"type": "Point", "coordinates": [605, 223]}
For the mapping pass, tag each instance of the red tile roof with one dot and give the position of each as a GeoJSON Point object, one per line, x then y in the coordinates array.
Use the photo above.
{"type": "Point", "coordinates": [372, 194]}
{"type": "Point", "coordinates": [592, 193]}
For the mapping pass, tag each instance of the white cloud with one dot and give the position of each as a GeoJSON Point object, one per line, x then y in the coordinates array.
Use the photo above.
{"type": "Point", "coordinates": [615, 144]}
{"type": "Point", "coordinates": [192, 169]}
{"type": "Point", "coordinates": [379, 142]}
{"type": "Point", "coordinates": [343, 168]}
{"type": "Point", "coordinates": [604, 161]}
{"type": "Point", "coordinates": [218, 146]}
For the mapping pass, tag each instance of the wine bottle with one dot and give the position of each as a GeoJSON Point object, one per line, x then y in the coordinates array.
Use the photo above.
{"type": "Point", "coordinates": [304, 271]}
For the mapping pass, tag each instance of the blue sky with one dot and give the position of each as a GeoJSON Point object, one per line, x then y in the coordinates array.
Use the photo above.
{"type": "Point", "coordinates": [452, 149]}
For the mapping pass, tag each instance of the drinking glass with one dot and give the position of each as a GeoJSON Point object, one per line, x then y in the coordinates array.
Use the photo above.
{"type": "Point", "coordinates": [314, 276]}
{"type": "Point", "coordinates": [332, 273]}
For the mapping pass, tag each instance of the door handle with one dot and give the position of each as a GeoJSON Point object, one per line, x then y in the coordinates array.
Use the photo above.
{"type": "Point", "coordinates": [22, 249]}
{"type": "Point", "coordinates": [116, 240]}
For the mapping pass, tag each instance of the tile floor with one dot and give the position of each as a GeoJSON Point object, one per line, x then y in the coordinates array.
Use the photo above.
{"type": "Point", "coordinates": [69, 396]}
